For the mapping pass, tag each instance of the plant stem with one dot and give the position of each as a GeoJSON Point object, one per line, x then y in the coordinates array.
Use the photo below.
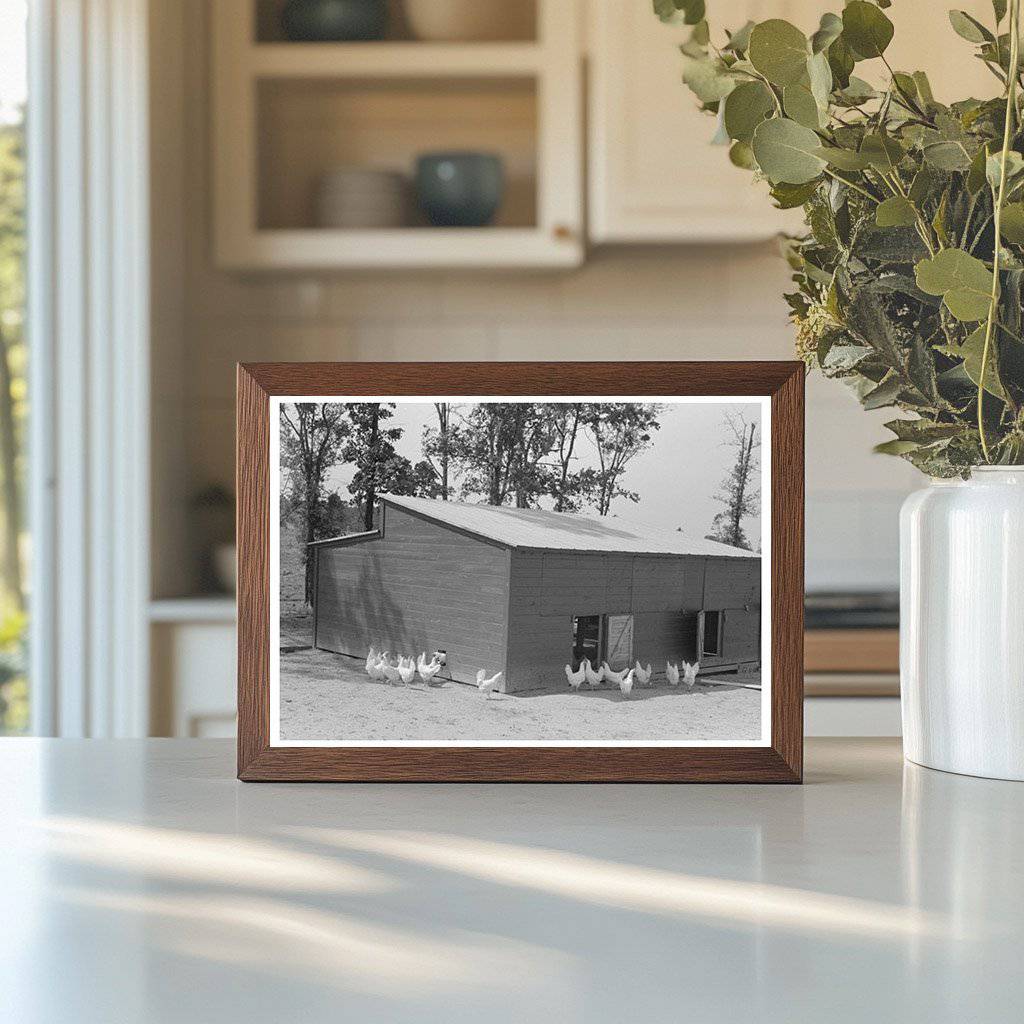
{"type": "Point", "coordinates": [1011, 109]}
{"type": "Point", "coordinates": [853, 185]}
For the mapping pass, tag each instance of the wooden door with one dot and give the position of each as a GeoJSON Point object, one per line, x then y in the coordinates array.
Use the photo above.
{"type": "Point", "coordinates": [619, 641]}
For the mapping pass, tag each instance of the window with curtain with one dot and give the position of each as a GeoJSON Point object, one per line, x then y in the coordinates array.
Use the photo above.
{"type": "Point", "coordinates": [14, 547]}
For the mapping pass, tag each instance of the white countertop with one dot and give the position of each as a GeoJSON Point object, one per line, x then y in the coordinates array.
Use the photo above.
{"type": "Point", "coordinates": [140, 882]}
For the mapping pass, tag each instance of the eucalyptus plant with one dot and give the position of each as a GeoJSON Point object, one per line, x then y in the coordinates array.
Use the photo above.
{"type": "Point", "coordinates": [910, 277]}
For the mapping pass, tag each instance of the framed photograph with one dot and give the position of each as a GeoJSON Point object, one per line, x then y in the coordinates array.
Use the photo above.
{"type": "Point", "coordinates": [520, 571]}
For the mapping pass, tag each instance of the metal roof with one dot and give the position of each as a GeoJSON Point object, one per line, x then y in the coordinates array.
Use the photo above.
{"type": "Point", "coordinates": [562, 531]}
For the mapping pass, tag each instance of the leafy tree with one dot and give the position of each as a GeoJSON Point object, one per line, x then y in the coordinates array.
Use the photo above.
{"type": "Point", "coordinates": [370, 447]}
{"type": "Point", "coordinates": [740, 494]}
{"type": "Point", "coordinates": [439, 446]}
{"type": "Point", "coordinates": [500, 449]}
{"type": "Point", "coordinates": [569, 487]}
{"type": "Point", "coordinates": [313, 435]}
{"type": "Point", "coordinates": [620, 432]}
{"type": "Point", "coordinates": [395, 474]}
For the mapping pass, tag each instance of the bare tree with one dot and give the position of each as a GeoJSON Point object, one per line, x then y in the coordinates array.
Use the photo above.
{"type": "Point", "coordinates": [739, 494]}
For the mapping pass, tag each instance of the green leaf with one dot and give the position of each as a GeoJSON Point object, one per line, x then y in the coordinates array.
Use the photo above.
{"type": "Point", "coordinates": [829, 30]}
{"type": "Point", "coordinates": [924, 87]}
{"type": "Point", "coordinates": [840, 61]}
{"type": "Point", "coordinates": [739, 41]}
{"type": "Point", "coordinates": [745, 108]}
{"type": "Point", "coordinates": [969, 28]}
{"type": "Point", "coordinates": [922, 185]}
{"type": "Point", "coordinates": [947, 156]}
{"type": "Point", "coordinates": [788, 197]}
{"type": "Point", "coordinates": [895, 447]}
{"type": "Point", "coordinates": [1012, 224]}
{"type": "Point", "coordinates": [787, 152]}
{"type": "Point", "coordinates": [971, 351]}
{"type": "Point", "coordinates": [923, 431]}
{"type": "Point", "coordinates": [707, 78]}
{"type": "Point", "coordinates": [741, 155]}
{"type": "Point", "coordinates": [976, 174]}
{"type": "Point", "coordinates": [963, 281]}
{"type": "Point", "coordinates": [857, 91]}
{"type": "Point", "coordinates": [895, 212]}
{"type": "Point", "coordinates": [801, 106]}
{"type": "Point", "coordinates": [701, 34]}
{"type": "Point", "coordinates": [819, 74]}
{"type": "Point", "coordinates": [866, 29]}
{"type": "Point", "coordinates": [993, 167]}
{"type": "Point", "coordinates": [844, 159]}
{"type": "Point", "coordinates": [779, 51]}
{"type": "Point", "coordinates": [883, 152]}
{"type": "Point", "coordinates": [885, 394]}
{"type": "Point", "coordinates": [689, 12]}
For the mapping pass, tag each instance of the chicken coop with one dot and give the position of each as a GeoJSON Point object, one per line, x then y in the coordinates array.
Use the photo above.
{"type": "Point", "coordinates": [525, 592]}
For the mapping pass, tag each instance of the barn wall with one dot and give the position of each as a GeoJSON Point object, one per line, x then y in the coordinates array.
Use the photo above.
{"type": "Point", "coordinates": [663, 594]}
{"type": "Point", "coordinates": [733, 585]}
{"type": "Point", "coordinates": [418, 588]}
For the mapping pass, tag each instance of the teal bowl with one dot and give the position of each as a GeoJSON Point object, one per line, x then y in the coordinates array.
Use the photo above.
{"type": "Point", "coordinates": [460, 190]}
{"type": "Point", "coordinates": [334, 21]}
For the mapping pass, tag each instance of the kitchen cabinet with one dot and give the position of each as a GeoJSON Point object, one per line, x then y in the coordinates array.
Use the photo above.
{"type": "Point", "coordinates": [287, 114]}
{"type": "Point", "coordinates": [654, 177]}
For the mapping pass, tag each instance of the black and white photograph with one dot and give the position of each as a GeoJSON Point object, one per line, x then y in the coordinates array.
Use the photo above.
{"type": "Point", "coordinates": [490, 572]}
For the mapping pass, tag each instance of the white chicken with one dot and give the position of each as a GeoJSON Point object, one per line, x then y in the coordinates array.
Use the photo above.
{"type": "Point", "coordinates": [427, 670]}
{"type": "Point", "coordinates": [643, 675]}
{"type": "Point", "coordinates": [406, 670]}
{"type": "Point", "coordinates": [575, 678]}
{"type": "Point", "coordinates": [594, 678]}
{"type": "Point", "coordinates": [485, 685]}
{"type": "Point", "coordinates": [672, 673]}
{"type": "Point", "coordinates": [613, 677]}
{"type": "Point", "coordinates": [626, 683]}
{"type": "Point", "coordinates": [690, 674]}
{"type": "Point", "coordinates": [391, 673]}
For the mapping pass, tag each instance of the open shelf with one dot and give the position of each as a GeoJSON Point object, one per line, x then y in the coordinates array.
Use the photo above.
{"type": "Point", "coordinates": [309, 127]}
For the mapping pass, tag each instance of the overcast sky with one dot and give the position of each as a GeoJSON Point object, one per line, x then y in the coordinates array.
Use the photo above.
{"type": "Point", "coordinates": [677, 478]}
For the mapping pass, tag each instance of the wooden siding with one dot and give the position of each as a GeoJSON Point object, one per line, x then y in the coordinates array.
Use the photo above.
{"type": "Point", "coordinates": [420, 587]}
{"type": "Point", "coordinates": [663, 594]}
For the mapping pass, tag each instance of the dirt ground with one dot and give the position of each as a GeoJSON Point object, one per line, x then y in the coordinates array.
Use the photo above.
{"type": "Point", "coordinates": [329, 697]}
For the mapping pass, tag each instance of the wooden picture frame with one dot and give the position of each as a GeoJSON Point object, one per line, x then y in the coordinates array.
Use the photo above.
{"type": "Point", "coordinates": [778, 760]}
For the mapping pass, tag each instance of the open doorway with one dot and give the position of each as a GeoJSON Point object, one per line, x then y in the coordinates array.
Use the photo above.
{"type": "Point", "coordinates": [587, 639]}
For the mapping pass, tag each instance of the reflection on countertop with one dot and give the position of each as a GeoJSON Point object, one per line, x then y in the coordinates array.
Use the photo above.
{"type": "Point", "coordinates": [146, 884]}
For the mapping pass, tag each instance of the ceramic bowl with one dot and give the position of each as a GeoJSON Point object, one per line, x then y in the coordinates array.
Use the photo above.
{"type": "Point", "coordinates": [358, 197]}
{"type": "Point", "coordinates": [459, 189]}
{"type": "Point", "coordinates": [470, 20]}
{"type": "Point", "coordinates": [332, 21]}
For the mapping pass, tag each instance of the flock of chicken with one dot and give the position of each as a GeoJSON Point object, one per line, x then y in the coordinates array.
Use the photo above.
{"type": "Point", "coordinates": [403, 671]}
{"type": "Point", "coordinates": [627, 677]}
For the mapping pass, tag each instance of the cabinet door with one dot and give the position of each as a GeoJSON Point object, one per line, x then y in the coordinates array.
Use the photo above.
{"type": "Point", "coordinates": [654, 177]}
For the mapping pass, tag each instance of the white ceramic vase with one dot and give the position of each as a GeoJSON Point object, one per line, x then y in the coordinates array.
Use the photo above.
{"type": "Point", "coordinates": [962, 624]}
